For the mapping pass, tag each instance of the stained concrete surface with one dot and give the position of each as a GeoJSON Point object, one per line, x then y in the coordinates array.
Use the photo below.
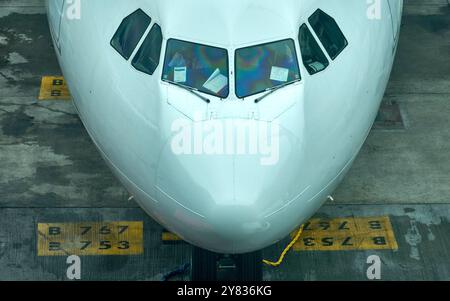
{"type": "Point", "coordinates": [50, 170]}
{"type": "Point", "coordinates": [47, 159]}
{"type": "Point", "coordinates": [413, 165]}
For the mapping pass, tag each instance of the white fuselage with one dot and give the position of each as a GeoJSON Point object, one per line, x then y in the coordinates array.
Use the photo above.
{"type": "Point", "coordinates": [227, 203]}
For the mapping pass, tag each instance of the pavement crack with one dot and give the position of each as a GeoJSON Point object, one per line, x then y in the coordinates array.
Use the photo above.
{"type": "Point", "coordinates": [8, 78]}
{"type": "Point", "coordinates": [6, 104]}
{"type": "Point", "coordinates": [56, 110]}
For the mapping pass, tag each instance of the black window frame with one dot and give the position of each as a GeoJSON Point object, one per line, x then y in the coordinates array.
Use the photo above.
{"type": "Point", "coordinates": [259, 45]}
{"type": "Point", "coordinates": [124, 55]}
{"type": "Point", "coordinates": [192, 88]}
{"type": "Point", "coordinates": [318, 11]}
{"type": "Point", "coordinates": [316, 44]}
{"type": "Point", "coordinates": [141, 49]}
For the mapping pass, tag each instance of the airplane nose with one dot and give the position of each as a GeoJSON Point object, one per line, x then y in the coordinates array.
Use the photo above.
{"type": "Point", "coordinates": [221, 201]}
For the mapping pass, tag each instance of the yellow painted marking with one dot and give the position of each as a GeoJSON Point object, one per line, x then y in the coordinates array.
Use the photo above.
{"type": "Point", "coordinates": [54, 88]}
{"type": "Point", "coordinates": [88, 239]}
{"type": "Point", "coordinates": [168, 237]}
{"type": "Point", "coordinates": [341, 234]}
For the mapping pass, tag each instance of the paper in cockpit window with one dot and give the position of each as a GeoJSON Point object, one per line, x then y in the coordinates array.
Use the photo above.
{"type": "Point", "coordinates": [180, 74]}
{"type": "Point", "coordinates": [279, 74]}
{"type": "Point", "coordinates": [216, 82]}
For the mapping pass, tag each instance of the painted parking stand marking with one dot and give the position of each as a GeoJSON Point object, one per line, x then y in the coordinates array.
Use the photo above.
{"type": "Point", "coordinates": [54, 88]}
{"type": "Point", "coordinates": [341, 234]}
{"type": "Point", "coordinates": [338, 234]}
{"type": "Point", "coordinates": [90, 239]}
{"type": "Point", "coordinates": [170, 237]}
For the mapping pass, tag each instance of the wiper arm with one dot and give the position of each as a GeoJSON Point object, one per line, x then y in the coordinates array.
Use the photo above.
{"type": "Point", "coordinates": [191, 90]}
{"type": "Point", "coordinates": [274, 89]}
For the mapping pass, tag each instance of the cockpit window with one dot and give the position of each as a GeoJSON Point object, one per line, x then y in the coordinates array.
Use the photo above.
{"type": "Point", "coordinates": [130, 33]}
{"type": "Point", "coordinates": [264, 67]}
{"type": "Point", "coordinates": [198, 67]}
{"type": "Point", "coordinates": [147, 58]}
{"type": "Point", "coordinates": [329, 33]}
{"type": "Point", "coordinates": [313, 57]}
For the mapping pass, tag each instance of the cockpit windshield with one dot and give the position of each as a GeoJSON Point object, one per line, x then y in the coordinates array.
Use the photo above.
{"type": "Point", "coordinates": [265, 67]}
{"type": "Point", "coordinates": [198, 67]}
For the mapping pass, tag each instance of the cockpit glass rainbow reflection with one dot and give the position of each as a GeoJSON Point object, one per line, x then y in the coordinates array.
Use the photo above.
{"type": "Point", "coordinates": [263, 67]}
{"type": "Point", "coordinates": [200, 67]}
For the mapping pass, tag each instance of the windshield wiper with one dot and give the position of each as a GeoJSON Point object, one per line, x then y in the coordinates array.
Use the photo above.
{"type": "Point", "coordinates": [270, 91]}
{"type": "Point", "coordinates": [192, 90]}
